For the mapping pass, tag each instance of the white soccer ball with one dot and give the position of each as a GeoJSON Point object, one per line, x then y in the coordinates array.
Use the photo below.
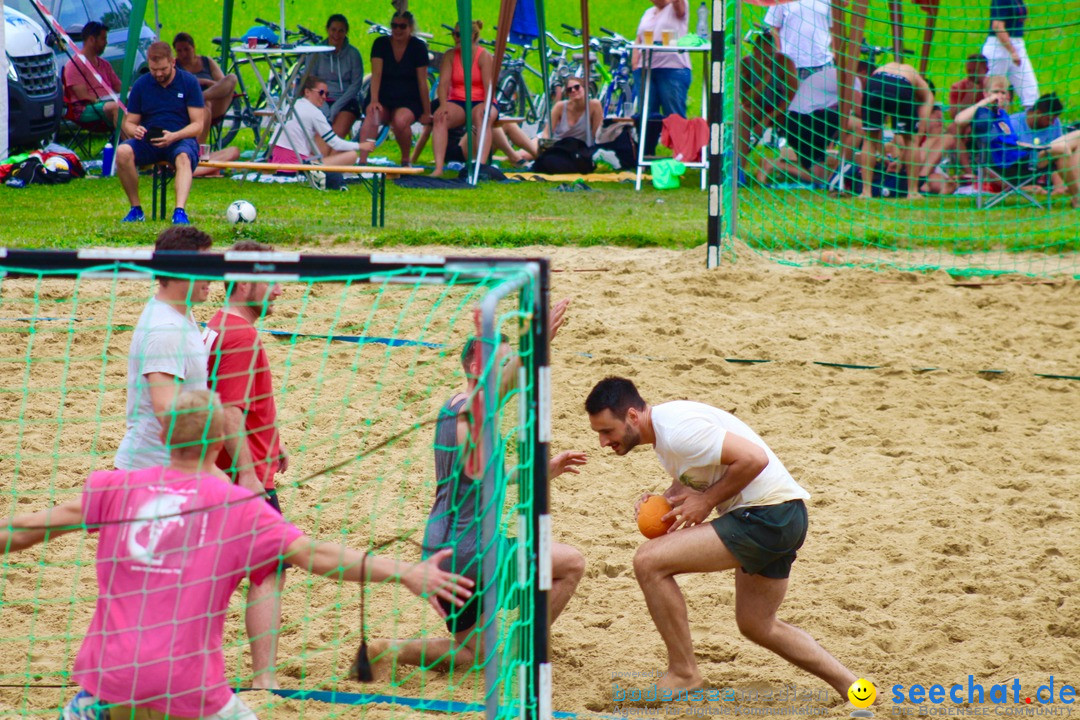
{"type": "Point", "coordinates": [57, 164]}
{"type": "Point", "coordinates": [240, 211]}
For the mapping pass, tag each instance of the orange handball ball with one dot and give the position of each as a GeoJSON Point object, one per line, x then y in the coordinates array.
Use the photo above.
{"type": "Point", "coordinates": [649, 517]}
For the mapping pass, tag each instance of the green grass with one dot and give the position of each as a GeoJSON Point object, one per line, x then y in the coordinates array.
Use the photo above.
{"type": "Point", "coordinates": [87, 212]}
{"type": "Point", "coordinates": [961, 29]}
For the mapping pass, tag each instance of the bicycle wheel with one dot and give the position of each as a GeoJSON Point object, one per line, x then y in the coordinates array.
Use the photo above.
{"type": "Point", "coordinates": [509, 96]}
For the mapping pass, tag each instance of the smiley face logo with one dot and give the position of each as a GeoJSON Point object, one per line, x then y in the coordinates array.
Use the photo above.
{"type": "Point", "coordinates": [862, 693]}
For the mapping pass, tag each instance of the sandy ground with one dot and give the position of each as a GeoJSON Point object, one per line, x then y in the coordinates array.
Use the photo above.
{"type": "Point", "coordinates": [944, 535]}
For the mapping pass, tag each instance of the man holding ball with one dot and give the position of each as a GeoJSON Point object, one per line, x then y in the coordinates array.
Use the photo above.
{"type": "Point", "coordinates": [717, 462]}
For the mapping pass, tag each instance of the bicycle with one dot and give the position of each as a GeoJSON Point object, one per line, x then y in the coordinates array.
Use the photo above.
{"type": "Point", "coordinates": [618, 94]}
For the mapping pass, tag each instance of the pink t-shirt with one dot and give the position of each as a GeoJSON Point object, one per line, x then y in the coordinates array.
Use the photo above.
{"type": "Point", "coordinates": [166, 570]}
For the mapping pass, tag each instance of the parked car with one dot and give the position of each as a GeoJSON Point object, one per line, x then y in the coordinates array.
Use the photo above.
{"type": "Point", "coordinates": [74, 14]}
{"type": "Point", "coordinates": [35, 100]}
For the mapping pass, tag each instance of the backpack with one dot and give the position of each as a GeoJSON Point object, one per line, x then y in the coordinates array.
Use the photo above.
{"type": "Point", "coordinates": [616, 145]}
{"type": "Point", "coordinates": [568, 156]}
{"type": "Point", "coordinates": [32, 170]}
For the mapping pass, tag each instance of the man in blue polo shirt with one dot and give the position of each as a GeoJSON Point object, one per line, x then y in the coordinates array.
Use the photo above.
{"type": "Point", "coordinates": [165, 115]}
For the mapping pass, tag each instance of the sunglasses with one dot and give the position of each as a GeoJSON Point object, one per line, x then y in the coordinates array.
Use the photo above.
{"type": "Point", "coordinates": [572, 88]}
{"type": "Point", "coordinates": [455, 33]}
{"type": "Point", "coordinates": [322, 93]}
{"type": "Point", "coordinates": [400, 26]}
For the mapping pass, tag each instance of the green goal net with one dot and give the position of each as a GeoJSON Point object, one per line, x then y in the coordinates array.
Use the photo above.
{"type": "Point", "coordinates": [838, 114]}
{"type": "Point", "coordinates": [364, 352]}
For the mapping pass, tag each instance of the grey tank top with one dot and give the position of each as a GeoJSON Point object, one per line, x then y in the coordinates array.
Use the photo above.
{"type": "Point", "coordinates": [453, 521]}
{"type": "Point", "coordinates": [578, 130]}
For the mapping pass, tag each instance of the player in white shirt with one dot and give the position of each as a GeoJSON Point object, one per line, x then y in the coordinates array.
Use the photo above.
{"type": "Point", "coordinates": [167, 355]}
{"type": "Point", "coordinates": [717, 463]}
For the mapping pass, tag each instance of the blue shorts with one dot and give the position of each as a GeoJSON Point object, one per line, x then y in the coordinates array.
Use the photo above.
{"type": "Point", "coordinates": [147, 154]}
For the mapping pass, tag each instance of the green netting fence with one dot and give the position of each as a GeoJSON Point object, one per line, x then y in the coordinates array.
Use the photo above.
{"type": "Point", "coordinates": [363, 351]}
{"type": "Point", "coordinates": [981, 118]}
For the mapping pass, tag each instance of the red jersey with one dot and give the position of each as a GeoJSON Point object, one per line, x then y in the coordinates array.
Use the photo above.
{"type": "Point", "coordinates": [239, 372]}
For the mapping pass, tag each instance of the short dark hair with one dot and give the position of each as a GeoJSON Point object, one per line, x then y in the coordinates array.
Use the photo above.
{"type": "Point", "coordinates": [978, 57]}
{"type": "Point", "coordinates": [1049, 104]}
{"type": "Point", "coordinates": [337, 17]}
{"type": "Point", "coordinates": [472, 345]}
{"type": "Point", "coordinates": [615, 394]}
{"type": "Point", "coordinates": [93, 29]}
{"type": "Point", "coordinates": [183, 37]}
{"type": "Point", "coordinates": [183, 237]}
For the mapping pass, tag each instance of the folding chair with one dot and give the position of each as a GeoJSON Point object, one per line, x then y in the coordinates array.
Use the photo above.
{"type": "Point", "coordinates": [1015, 179]}
{"type": "Point", "coordinates": [162, 173]}
{"type": "Point", "coordinates": [80, 136]}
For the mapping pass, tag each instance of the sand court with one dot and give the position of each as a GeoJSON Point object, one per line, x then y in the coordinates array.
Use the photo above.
{"type": "Point", "coordinates": [944, 532]}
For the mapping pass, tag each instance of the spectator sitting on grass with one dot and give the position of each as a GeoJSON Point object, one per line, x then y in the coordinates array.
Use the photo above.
{"type": "Point", "coordinates": [83, 94]}
{"type": "Point", "coordinates": [989, 121]}
{"type": "Point", "coordinates": [307, 133]}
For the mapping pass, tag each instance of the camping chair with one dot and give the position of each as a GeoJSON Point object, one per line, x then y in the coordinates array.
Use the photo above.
{"type": "Point", "coordinates": [79, 136]}
{"type": "Point", "coordinates": [1015, 179]}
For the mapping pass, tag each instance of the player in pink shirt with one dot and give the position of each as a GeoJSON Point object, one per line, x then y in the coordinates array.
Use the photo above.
{"type": "Point", "coordinates": [174, 542]}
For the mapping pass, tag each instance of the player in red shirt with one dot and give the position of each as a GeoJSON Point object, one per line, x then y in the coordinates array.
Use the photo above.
{"type": "Point", "coordinates": [239, 371]}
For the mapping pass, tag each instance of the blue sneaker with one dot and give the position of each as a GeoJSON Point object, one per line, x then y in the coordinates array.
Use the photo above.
{"type": "Point", "coordinates": [135, 214]}
{"type": "Point", "coordinates": [179, 217]}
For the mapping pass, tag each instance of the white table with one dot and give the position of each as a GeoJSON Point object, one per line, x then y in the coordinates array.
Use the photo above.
{"type": "Point", "coordinates": [282, 71]}
{"type": "Point", "coordinates": [647, 52]}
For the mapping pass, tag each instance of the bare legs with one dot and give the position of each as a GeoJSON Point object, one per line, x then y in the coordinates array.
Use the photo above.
{"type": "Point", "coordinates": [757, 598]}
{"type": "Point", "coordinates": [567, 568]}
{"type": "Point", "coordinates": [263, 621]}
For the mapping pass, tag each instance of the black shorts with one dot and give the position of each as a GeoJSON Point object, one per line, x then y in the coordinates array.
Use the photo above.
{"type": "Point", "coordinates": [392, 105]}
{"type": "Point", "coordinates": [890, 96]}
{"type": "Point", "coordinates": [466, 617]}
{"type": "Point", "coordinates": [352, 105]}
{"type": "Point", "coordinates": [810, 135]}
{"type": "Point", "coordinates": [764, 539]}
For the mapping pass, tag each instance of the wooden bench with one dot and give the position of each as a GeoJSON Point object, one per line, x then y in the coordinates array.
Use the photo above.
{"type": "Point", "coordinates": [376, 184]}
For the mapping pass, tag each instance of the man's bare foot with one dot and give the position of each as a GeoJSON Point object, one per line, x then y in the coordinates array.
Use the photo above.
{"type": "Point", "coordinates": [679, 682]}
{"type": "Point", "coordinates": [265, 681]}
{"type": "Point", "coordinates": [914, 196]}
{"type": "Point", "coordinates": [437, 173]}
{"type": "Point", "coordinates": [865, 196]}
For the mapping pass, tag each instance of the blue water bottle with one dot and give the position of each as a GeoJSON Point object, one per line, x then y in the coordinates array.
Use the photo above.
{"type": "Point", "coordinates": [107, 159]}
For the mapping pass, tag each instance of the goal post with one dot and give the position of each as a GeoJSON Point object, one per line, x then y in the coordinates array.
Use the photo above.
{"type": "Point", "coordinates": [362, 350]}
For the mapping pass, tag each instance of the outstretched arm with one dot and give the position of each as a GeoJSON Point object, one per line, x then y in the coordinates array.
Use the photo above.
{"type": "Point", "coordinates": [424, 579]}
{"type": "Point", "coordinates": [65, 517]}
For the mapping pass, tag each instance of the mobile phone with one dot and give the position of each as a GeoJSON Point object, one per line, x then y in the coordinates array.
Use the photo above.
{"type": "Point", "coordinates": [154, 133]}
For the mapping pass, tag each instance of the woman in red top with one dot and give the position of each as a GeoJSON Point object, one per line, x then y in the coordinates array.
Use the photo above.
{"type": "Point", "coordinates": [451, 112]}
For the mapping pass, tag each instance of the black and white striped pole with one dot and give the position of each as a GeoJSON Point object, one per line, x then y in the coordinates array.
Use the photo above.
{"type": "Point", "coordinates": [716, 132]}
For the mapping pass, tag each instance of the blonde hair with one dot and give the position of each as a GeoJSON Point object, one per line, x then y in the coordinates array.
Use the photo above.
{"type": "Point", "coordinates": [996, 82]}
{"type": "Point", "coordinates": [197, 421]}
